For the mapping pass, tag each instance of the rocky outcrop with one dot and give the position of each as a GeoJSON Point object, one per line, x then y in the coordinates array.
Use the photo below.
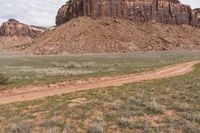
{"type": "Point", "coordinates": [14, 28]}
{"type": "Point", "coordinates": [15, 34]}
{"type": "Point", "coordinates": [163, 11]}
{"type": "Point", "coordinates": [196, 14]}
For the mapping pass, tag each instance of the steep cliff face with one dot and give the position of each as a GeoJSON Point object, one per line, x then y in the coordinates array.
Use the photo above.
{"type": "Point", "coordinates": [196, 13]}
{"type": "Point", "coordinates": [14, 28]}
{"type": "Point", "coordinates": [163, 11]}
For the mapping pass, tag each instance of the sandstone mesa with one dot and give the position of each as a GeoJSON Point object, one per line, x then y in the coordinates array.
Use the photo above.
{"type": "Point", "coordinates": [163, 11]}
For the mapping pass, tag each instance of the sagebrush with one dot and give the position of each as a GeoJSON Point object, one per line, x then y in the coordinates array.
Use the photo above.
{"type": "Point", "coordinates": [3, 79]}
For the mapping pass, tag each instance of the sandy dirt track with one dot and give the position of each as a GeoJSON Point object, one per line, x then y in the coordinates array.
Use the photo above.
{"type": "Point", "coordinates": [37, 92]}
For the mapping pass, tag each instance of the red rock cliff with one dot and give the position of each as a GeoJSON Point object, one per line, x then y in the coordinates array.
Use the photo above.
{"type": "Point", "coordinates": [164, 11]}
{"type": "Point", "coordinates": [14, 28]}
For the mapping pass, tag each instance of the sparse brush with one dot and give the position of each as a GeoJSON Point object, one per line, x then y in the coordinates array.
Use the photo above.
{"type": "Point", "coordinates": [66, 128]}
{"type": "Point", "coordinates": [141, 124]}
{"type": "Point", "coordinates": [52, 131]}
{"type": "Point", "coordinates": [3, 79]}
{"type": "Point", "coordinates": [114, 106]}
{"type": "Point", "coordinates": [192, 117]}
{"type": "Point", "coordinates": [52, 123]}
{"type": "Point", "coordinates": [138, 99]}
{"type": "Point", "coordinates": [128, 113]}
{"type": "Point", "coordinates": [96, 128]}
{"type": "Point", "coordinates": [88, 64]}
{"type": "Point", "coordinates": [99, 118]}
{"type": "Point", "coordinates": [72, 64]}
{"type": "Point", "coordinates": [154, 108]}
{"type": "Point", "coordinates": [128, 106]}
{"type": "Point", "coordinates": [109, 116]}
{"type": "Point", "coordinates": [181, 107]}
{"type": "Point", "coordinates": [124, 123]}
{"type": "Point", "coordinates": [20, 128]}
{"type": "Point", "coordinates": [191, 129]}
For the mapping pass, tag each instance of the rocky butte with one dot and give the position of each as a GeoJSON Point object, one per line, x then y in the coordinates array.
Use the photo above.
{"type": "Point", "coordinates": [14, 28]}
{"type": "Point", "coordinates": [163, 11]}
{"type": "Point", "coordinates": [13, 33]}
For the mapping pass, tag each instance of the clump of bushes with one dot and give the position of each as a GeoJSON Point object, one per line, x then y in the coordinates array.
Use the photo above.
{"type": "Point", "coordinates": [194, 117]}
{"type": "Point", "coordinates": [181, 107]}
{"type": "Point", "coordinates": [96, 128]}
{"type": "Point", "coordinates": [124, 123]}
{"type": "Point", "coordinates": [3, 79]}
{"type": "Point", "coordinates": [21, 128]}
{"type": "Point", "coordinates": [72, 64]}
{"type": "Point", "coordinates": [154, 108]}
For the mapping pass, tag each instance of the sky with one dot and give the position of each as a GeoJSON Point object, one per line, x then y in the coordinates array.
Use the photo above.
{"type": "Point", "coordinates": [33, 12]}
{"type": "Point", "coordinates": [42, 12]}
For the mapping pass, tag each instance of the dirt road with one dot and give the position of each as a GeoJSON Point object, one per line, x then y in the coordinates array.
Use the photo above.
{"type": "Point", "coordinates": [37, 92]}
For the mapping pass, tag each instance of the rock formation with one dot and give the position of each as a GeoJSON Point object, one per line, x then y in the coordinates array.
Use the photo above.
{"type": "Point", "coordinates": [13, 33]}
{"type": "Point", "coordinates": [196, 13]}
{"type": "Point", "coordinates": [163, 11]}
{"type": "Point", "coordinates": [108, 35]}
{"type": "Point", "coordinates": [14, 28]}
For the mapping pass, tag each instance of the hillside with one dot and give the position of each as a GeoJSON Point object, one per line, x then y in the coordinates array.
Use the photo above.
{"type": "Point", "coordinates": [106, 34]}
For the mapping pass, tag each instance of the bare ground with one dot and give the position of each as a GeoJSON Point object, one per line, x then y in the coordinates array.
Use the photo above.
{"type": "Point", "coordinates": [36, 92]}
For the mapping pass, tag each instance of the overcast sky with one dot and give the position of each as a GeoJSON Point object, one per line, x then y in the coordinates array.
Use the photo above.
{"type": "Point", "coordinates": [42, 12]}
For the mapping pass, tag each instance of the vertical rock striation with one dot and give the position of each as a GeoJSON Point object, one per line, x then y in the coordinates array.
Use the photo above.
{"type": "Point", "coordinates": [163, 11]}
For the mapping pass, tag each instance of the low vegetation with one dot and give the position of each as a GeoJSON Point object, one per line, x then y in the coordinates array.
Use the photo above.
{"type": "Point", "coordinates": [165, 105]}
{"type": "Point", "coordinates": [96, 128]}
{"type": "Point", "coordinates": [32, 69]}
{"type": "Point", "coordinates": [3, 79]}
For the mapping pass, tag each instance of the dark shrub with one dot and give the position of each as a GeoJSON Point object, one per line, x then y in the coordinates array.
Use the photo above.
{"type": "Point", "coordinates": [3, 79]}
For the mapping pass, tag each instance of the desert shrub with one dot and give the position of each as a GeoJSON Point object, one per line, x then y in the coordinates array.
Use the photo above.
{"type": "Point", "coordinates": [191, 129]}
{"type": "Point", "coordinates": [88, 64]}
{"type": "Point", "coordinates": [154, 108]}
{"type": "Point", "coordinates": [110, 116]}
{"type": "Point", "coordinates": [51, 130]}
{"type": "Point", "coordinates": [142, 124]}
{"type": "Point", "coordinates": [72, 64]}
{"type": "Point", "coordinates": [192, 117]}
{"type": "Point", "coordinates": [52, 123]}
{"type": "Point", "coordinates": [128, 113]}
{"type": "Point", "coordinates": [96, 128]}
{"type": "Point", "coordinates": [114, 106]}
{"type": "Point", "coordinates": [137, 100]}
{"type": "Point", "coordinates": [3, 79]}
{"type": "Point", "coordinates": [181, 107]}
{"type": "Point", "coordinates": [20, 128]}
{"type": "Point", "coordinates": [124, 123]}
